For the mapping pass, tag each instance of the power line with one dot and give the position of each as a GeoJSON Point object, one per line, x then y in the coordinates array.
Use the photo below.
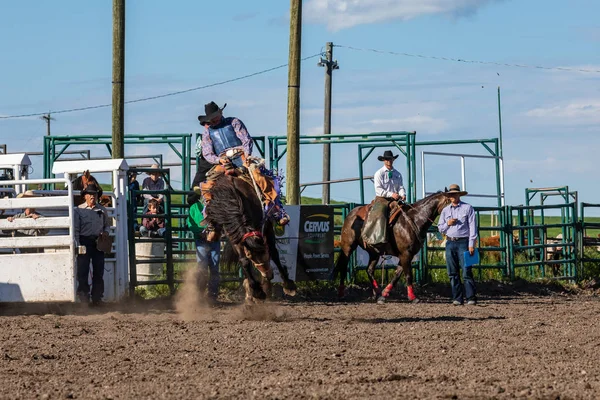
{"type": "Point", "coordinates": [239, 78]}
{"type": "Point", "coordinates": [468, 61]}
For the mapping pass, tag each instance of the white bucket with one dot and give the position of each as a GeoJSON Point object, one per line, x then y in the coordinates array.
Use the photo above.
{"type": "Point", "coordinates": [149, 251]}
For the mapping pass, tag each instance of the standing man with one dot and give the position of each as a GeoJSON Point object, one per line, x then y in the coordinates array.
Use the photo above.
{"type": "Point", "coordinates": [388, 187]}
{"type": "Point", "coordinates": [91, 224]}
{"type": "Point", "coordinates": [208, 252]}
{"type": "Point", "coordinates": [227, 144]}
{"type": "Point", "coordinates": [457, 222]}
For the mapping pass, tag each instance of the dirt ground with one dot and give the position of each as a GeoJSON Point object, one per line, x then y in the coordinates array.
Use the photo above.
{"type": "Point", "coordinates": [512, 345]}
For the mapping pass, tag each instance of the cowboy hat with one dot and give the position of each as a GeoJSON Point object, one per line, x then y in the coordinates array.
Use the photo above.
{"type": "Point", "coordinates": [455, 189]}
{"type": "Point", "coordinates": [89, 189]}
{"type": "Point", "coordinates": [211, 110]}
{"type": "Point", "coordinates": [387, 155]}
{"type": "Point", "coordinates": [27, 193]}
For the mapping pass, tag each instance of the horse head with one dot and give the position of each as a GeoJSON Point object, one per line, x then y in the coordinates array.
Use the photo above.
{"type": "Point", "coordinates": [256, 250]}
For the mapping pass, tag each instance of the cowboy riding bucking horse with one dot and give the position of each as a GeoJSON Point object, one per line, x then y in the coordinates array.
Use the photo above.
{"type": "Point", "coordinates": [227, 145]}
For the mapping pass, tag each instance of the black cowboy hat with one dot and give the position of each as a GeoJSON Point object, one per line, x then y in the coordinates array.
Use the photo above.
{"type": "Point", "coordinates": [387, 155]}
{"type": "Point", "coordinates": [211, 110]}
{"type": "Point", "coordinates": [90, 189]}
{"type": "Point", "coordinates": [455, 189]}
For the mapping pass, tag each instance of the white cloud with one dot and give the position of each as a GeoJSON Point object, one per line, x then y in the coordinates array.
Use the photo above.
{"type": "Point", "coordinates": [576, 112]}
{"type": "Point", "coordinates": [341, 14]}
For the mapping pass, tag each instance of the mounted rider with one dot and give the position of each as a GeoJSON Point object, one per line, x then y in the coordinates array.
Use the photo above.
{"type": "Point", "coordinates": [389, 190]}
{"type": "Point", "coordinates": [227, 145]}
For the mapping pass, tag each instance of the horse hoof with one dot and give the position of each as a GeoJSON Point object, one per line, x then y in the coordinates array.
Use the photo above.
{"type": "Point", "coordinates": [289, 288]}
{"type": "Point", "coordinates": [381, 300]}
{"type": "Point", "coordinates": [415, 300]}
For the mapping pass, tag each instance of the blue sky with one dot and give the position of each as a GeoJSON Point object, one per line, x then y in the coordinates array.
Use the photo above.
{"type": "Point", "coordinates": [57, 55]}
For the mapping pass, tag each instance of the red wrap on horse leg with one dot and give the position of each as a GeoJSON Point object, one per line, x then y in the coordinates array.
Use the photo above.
{"type": "Point", "coordinates": [411, 293]}
{"type": "Point", "coordinates": [387, 290]}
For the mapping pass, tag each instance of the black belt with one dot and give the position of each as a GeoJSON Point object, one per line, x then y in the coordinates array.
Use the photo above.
{"type": "Point", "coordinates": [88, 238]}
{"type": "Point", "coordinates": [456, 239]}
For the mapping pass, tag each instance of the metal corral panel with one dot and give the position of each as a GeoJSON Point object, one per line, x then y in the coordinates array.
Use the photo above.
{"type": "Point", "coordinates": [40, 223]}
{"type": "Point", "coordinates": [35, 242]}
{"type": "Point", "coordinates": [35, 202]}
{"type": "Point", "coordinates": [40, 277]}
{"type": "Point", "coordinates": [78, 167]}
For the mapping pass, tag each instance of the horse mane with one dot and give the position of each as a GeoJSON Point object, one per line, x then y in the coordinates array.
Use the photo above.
{"type": "Point", "coordinates": [226, 208]}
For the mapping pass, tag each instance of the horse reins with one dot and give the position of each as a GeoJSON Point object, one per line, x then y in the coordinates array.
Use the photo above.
{"type": "Point", "coordinates": [412, 208]}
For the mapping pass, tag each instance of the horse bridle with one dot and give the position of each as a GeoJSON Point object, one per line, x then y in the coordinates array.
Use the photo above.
{"type": "Point", "coordinates": [253, 234]}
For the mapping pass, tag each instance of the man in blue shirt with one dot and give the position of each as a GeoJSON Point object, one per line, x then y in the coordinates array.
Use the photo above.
{"type": "Point", "coordinates": [388, 188]}
{"type": "Point", "coordinates": [457, 222]}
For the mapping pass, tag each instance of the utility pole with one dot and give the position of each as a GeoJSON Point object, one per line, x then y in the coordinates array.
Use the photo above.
{"type": "Point", "coordinates": [329, 65]}
{"type": "Point", "coordinates": [47, 118]}
{"type": "Point", "coordinates": [293, 111]}
{"type": "Point", "coordinates": [118, 80]}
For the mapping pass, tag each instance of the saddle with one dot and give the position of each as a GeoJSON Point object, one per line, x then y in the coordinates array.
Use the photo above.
{"type": "Point", "coordinates": [394, 209]}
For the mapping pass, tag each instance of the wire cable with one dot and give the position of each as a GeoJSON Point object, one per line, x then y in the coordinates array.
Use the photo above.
{"type": "Point", "coordinates": [460, 60]}
{"type": "Point", "coordinates": [239, 78]}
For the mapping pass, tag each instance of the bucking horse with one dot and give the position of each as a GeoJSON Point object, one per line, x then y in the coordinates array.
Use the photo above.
{"type": "Point", "coordinates": [236, 208]}
{"type": "Point", "coordinates": [406, 233]}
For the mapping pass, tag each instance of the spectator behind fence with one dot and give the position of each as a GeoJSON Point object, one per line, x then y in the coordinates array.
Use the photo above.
{"type": "Point", "coordinates": [91, 225]}
{"type": "Point", "coordinates": [153, 182]}
{"type": "Point", "coordinates": [135, 185]}
{"type": "Point", "coordinates": [153, 226]}
{"type": "Point", "coordinates": [28, 213]}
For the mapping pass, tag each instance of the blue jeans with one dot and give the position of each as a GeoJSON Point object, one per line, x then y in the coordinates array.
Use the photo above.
{"type": "Point", "coordinates": [455, 262]}
{"type": "Point", "coordinates": [207, 255]}
{"type": "Point", "coordinates": [145, 232]}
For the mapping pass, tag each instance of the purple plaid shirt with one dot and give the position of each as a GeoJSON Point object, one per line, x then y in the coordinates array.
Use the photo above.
{"type": "Point", "coordinates": [204, 145]}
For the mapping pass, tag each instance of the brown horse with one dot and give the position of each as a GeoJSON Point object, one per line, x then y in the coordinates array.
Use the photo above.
{"type": "Point", "coordinates": [405, 238]}
{"type": "Point", "coordinates": [235, 207]}
{"type": "Point", "coordinates": [84, 180]}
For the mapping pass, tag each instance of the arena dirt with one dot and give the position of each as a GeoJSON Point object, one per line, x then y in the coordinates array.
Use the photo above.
{"type": "Point", "coordinates": [516, 345]}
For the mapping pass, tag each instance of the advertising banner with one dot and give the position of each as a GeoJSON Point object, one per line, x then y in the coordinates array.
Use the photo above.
{"type": "Point", "coordinates": [315, 244]}
{"type": "Point", "coordinates": [287, 243]}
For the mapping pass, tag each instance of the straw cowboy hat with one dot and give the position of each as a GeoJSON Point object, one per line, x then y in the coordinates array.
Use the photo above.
{"type": "Point", "coordinates": [455, 189]}
{"type": "Point", "coordinates": [28, 193]}
{"type": "Point", "coordinates": [211, 110]}
{"type": "Point", "coordinates": [387, 155]}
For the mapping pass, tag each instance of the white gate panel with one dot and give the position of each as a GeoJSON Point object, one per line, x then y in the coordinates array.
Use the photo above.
{"type": "Point", "coordinates": [37, 277]}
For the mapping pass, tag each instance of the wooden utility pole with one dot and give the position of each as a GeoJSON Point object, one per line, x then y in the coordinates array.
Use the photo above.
{"type": "Point", "coordinates": [118, 80]}
{"type": "Point", "coordinates": [293, 112]}
{"type": "Point", "coordinates": [47, 118]}
{"type": "Point", "coordinates": [329, 65]}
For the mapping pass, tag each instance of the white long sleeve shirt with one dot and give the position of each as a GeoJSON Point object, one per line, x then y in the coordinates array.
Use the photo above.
{"type": "Point", "coordinates": [386, 186]}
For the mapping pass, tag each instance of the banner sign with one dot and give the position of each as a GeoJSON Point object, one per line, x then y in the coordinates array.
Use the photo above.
{"type": "Point", "coordinates": [315, 243]}
{"type": "Point", "coordinates": [287, 243]}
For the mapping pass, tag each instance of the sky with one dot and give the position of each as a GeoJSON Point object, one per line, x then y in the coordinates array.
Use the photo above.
{"type": "Point", "coordinates": [544, 56]}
